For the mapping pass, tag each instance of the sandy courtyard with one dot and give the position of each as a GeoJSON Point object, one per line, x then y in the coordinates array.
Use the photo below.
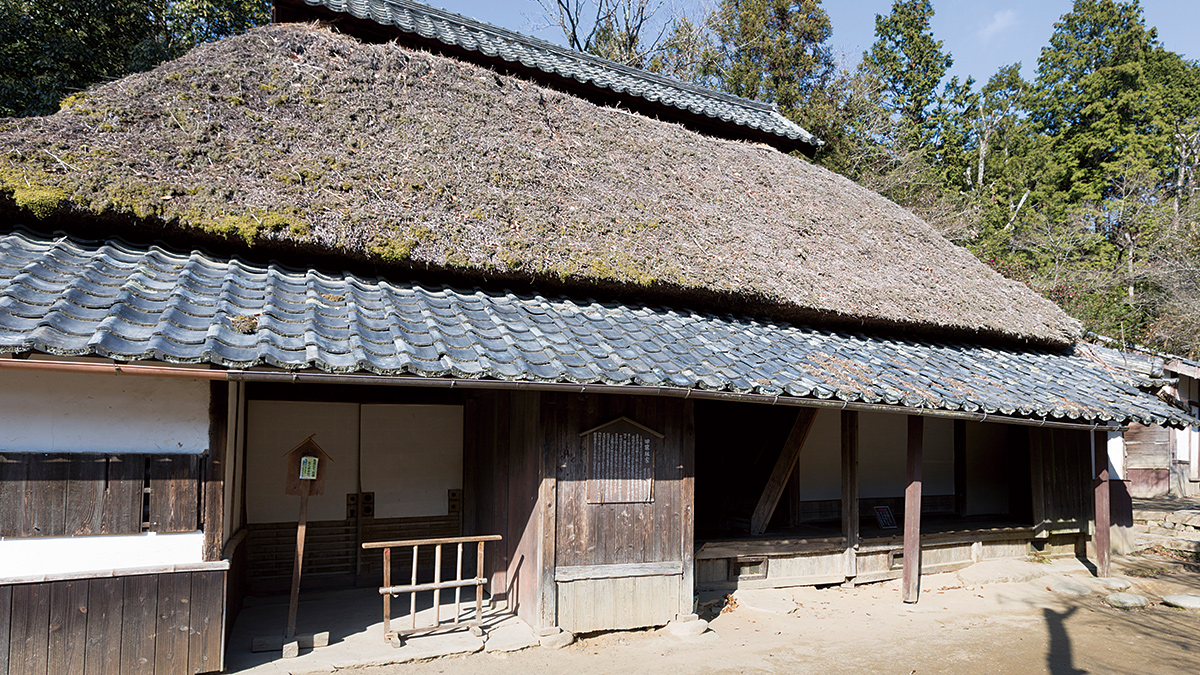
{"type": "Point", "coordinates": [1010, 617]}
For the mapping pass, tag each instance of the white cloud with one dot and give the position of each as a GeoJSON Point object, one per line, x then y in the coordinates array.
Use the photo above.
{"type": "Point", "coordinates": [1002, 21]}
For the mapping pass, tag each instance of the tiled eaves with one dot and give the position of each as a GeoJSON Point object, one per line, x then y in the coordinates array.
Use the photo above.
{"type": "Point", "coordinates": [62, 296]}
{"type": "Point", "coordinates": [493, 41]}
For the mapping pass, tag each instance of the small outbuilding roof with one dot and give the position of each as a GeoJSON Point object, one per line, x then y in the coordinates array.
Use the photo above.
{"type": "Point", "coordinates": [407, 17]}
{"type": "Point", "coordinates": [63, 296]}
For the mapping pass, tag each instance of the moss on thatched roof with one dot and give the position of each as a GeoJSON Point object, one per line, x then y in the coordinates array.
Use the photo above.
{"type": "Point", "coordinates": [296, 137]}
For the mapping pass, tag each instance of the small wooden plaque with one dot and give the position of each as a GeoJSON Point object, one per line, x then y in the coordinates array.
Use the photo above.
{"type": "Point", "coordinates": [307, 465]}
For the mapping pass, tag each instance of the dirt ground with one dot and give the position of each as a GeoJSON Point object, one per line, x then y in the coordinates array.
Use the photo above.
{"type": "Point", "coordinates": [956, 628]}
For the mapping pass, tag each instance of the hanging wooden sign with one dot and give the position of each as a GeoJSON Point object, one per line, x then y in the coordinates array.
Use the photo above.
{"type": "Point", "coordinates": [306, 468]}
{"type": "Point", "coordinates": [620, 461]}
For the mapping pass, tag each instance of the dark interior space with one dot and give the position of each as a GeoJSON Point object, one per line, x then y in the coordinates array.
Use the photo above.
{"type": "Point", "coordinates": [738, 444]}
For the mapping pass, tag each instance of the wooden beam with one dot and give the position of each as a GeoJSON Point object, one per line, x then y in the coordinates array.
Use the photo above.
{"type": "Point", "coordinates": [850, 490]}
{"type": "Point", "coordinates": [912, 510]}
{"type": "Point", "coordinates": [1103, 509]}
{"type": "Point", "coordinates": [960, 467]}
{"type": "Point", "coordinates": [788, 459]}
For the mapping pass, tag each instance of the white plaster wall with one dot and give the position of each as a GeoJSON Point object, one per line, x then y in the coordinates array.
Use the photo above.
{"type": "Point", "coordinates": [411, 455]}
{"type": "Point", "coordinates": [68, 555]}
{"type": "Point", "coordinates": [821, 458]}
{"type": "Point", "coordinates": [1115, 447]}
{"type": "Point", "coordinates": [882, 456]}
{"type": "Point", "coordinates": [65, 412]}
{"type": "Point", "coordinates": [274, 428]}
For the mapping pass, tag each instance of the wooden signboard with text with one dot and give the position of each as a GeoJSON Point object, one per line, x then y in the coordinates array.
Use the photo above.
{"type": "Point", "coordinates": [621, 462]}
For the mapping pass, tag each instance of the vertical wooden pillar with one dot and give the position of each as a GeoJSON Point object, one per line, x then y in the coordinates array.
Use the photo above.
{"type": "Point", "coordinates": [545, 432]}
{"type": "Point", "coordinates": [960, 467]}
{"type": "Point", "coordinates": [688, 531]}
{"type": "Point", "coordinates": [912, 510]}
{"type": "Point", "coordinates": [212, 497]}
{"type": "Point", "coordinates": [1103, 509]}
{"type": "Point", "coordinates": [850, 491]}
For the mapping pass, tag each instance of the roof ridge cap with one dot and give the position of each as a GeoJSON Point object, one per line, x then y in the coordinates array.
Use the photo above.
{"type": "Point", "coordinates": [471, 24]}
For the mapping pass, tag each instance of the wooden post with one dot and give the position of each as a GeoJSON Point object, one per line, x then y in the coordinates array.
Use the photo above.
{"type": "Point", "coordinates": [1103, 509]}
{"type": "Point", "coordinates": [850, 490]}
{"type": "Point", "coordinates": [545, 433]}
{"type": "Point", "coordinates": [788, 460]}
{"type": "Point", "coordinates": [212, 515]}
{"type": "Point", "coordinates": [479, 589]}
{"type": "Point", "coordinates": [294, 604]}
{"type": "Point", "coordinates": [688, 531]}
{"type": "Point", "coordinates": [387, 581]}
{"type": "Point", "coordinates": [960, 468]}
{"type": "Point", "coordinates": [912, 510]}
{"type": "Point", "coordinates": [1037, 457]}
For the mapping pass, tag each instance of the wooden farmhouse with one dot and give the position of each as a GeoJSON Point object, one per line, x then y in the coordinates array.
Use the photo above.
{"type": "Point", "coordinates": [1153, 460]}
{"type": "Point", "coordinates": [507, 289]}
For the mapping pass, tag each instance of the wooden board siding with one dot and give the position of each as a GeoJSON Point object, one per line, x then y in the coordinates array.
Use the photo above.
{"type": "Point", "coordinates": [1149, 482]}
{"type": "Point", "coordinates": [619, 603]}
{"type": "Point", "coordinates": [159, 624]}
{"type": "Point", "coordinates": [523, 534]}
{"type": "Point", "coordinates": [1147, 447]}
{"type": "Point", "coordinates": [600, 534]}
{"type": "Point", "coordinates": [605, 534]}
{"type": "Point", "coordinates": [1061, 480]}
{"type": "Point", "coordinates": [55, 495]}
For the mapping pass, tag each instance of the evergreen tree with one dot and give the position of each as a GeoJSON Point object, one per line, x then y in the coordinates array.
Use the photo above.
{"type": "Point", "coordinates": [770, 50]}
{"type": "Point", "coordinates": [910, 65]}
{"type": "Point", "coordinates": [50, 48]}
{"type": "Point", "coordinates": [1093, 96]}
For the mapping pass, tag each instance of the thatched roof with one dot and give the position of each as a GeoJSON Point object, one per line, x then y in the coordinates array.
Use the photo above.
{"type": "Point", "coordinates": [296, 138]}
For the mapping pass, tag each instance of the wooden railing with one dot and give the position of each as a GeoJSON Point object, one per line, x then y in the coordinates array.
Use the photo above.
{"type": "Point", "coordinates": [458, 583]}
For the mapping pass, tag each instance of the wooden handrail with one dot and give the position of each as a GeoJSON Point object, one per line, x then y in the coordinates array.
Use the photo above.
{"type": "Point", "coordinates": [427, 542]}
{"type": "Point", "coordinates": [458, 583]}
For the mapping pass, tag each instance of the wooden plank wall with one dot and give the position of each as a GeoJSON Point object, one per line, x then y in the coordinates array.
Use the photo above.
{"type": "Point", "coordinates": [1147, 447]}
{"type": "Point", "coordinates": [156, 624]}
{"type": "Point", "coordinates": [604, 534]}
{"type": "Point", "coordinates": [1062, 479]}
{"type": "Point", "coordinates": [523, 515]}
{"type": "Point", "coordinates": [486, 483]}
{"type": "Point", "coordinates": [54, 495]}
{"type": "Point", "coordinates": [592, 536]}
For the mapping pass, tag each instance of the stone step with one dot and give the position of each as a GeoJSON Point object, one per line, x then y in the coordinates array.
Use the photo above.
{"type": "Point", "coordinates": [1173, 541]}
{"type": "Point", "coordinates": [1185, 545]}
{"type": "Point", "coordinates": [1156, 530]}
{"type": "Point", "coordinates": [1188, 518]}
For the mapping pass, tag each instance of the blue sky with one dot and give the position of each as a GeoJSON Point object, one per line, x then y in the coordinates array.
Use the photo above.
{"type": "Point", "coordinates": [982, 35]}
